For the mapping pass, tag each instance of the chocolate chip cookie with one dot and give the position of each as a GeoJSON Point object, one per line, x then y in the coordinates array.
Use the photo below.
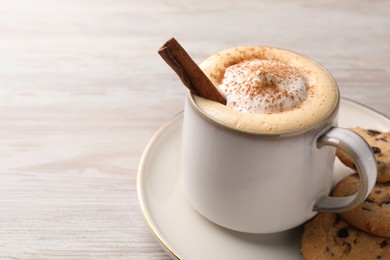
{"type": "Point", "coordinates": [327, 236]}
{"type": "Point", "coordinates": [373, 215]}
{"type": "Point", "coordinates": [380, 144]}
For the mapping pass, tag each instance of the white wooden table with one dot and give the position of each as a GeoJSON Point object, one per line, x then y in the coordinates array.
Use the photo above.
{"type": "Point", "coordinates": [82, 89]}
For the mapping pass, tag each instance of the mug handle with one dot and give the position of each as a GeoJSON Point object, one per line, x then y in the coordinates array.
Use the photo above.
{"type": "Point", "coordinates": [363, 157]}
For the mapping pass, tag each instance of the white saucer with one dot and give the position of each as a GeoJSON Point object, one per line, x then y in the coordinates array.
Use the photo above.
{"type": "Point", "coordinates": [183, 233]}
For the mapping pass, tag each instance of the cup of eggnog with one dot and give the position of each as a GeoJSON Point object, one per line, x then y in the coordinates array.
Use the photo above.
{"type": "Point", "coordinates": [263, 162]}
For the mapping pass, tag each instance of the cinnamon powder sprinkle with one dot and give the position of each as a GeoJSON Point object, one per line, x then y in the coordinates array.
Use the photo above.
{"type": "Point", "coordinates": [273, 85]}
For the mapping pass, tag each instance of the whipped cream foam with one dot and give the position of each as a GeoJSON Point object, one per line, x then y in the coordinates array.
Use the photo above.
{"type": "Point", "coordinates": [268, 90]}
{"type": "Point", "coordinates": [263, 86]}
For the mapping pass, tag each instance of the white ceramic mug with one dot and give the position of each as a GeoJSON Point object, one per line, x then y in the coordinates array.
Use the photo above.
{"type": "Point", "coordinates": [260, 183]}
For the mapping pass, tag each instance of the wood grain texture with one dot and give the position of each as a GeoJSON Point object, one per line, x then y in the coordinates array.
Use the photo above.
{"type": "Point", "coordinates": [82, 90]}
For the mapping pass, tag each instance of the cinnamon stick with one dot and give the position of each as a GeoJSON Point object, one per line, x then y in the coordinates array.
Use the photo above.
{"type": "Point", "coordinates": [189, 72]}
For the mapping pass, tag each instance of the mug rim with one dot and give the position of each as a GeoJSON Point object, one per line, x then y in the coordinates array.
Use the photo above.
{"type": "Point", "coordinates": [223, 125]}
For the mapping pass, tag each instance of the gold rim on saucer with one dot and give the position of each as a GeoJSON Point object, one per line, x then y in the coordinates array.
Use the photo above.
{"type": "Point", "coordinates": [166, 246]}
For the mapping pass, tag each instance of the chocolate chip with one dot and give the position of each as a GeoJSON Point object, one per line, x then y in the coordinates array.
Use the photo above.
{"type": "Point", "coordinates": [386, 202]}
{"type": "Point", "coordinates": [382, 139]}
{"type": "Point", "coordinates": [383, 243]}
{"type": "Point", "coordinates": [376, 149]}
{"type": "Point", "coordinates": [336, 220]}
{"type": "Point", "coordinates": [373, 132]}
{"type": "Point", "coordinates": [342, 233]}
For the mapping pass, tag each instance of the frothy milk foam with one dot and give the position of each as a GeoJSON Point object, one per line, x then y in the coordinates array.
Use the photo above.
{"type": "Point", "coordinates": [268, 90]}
